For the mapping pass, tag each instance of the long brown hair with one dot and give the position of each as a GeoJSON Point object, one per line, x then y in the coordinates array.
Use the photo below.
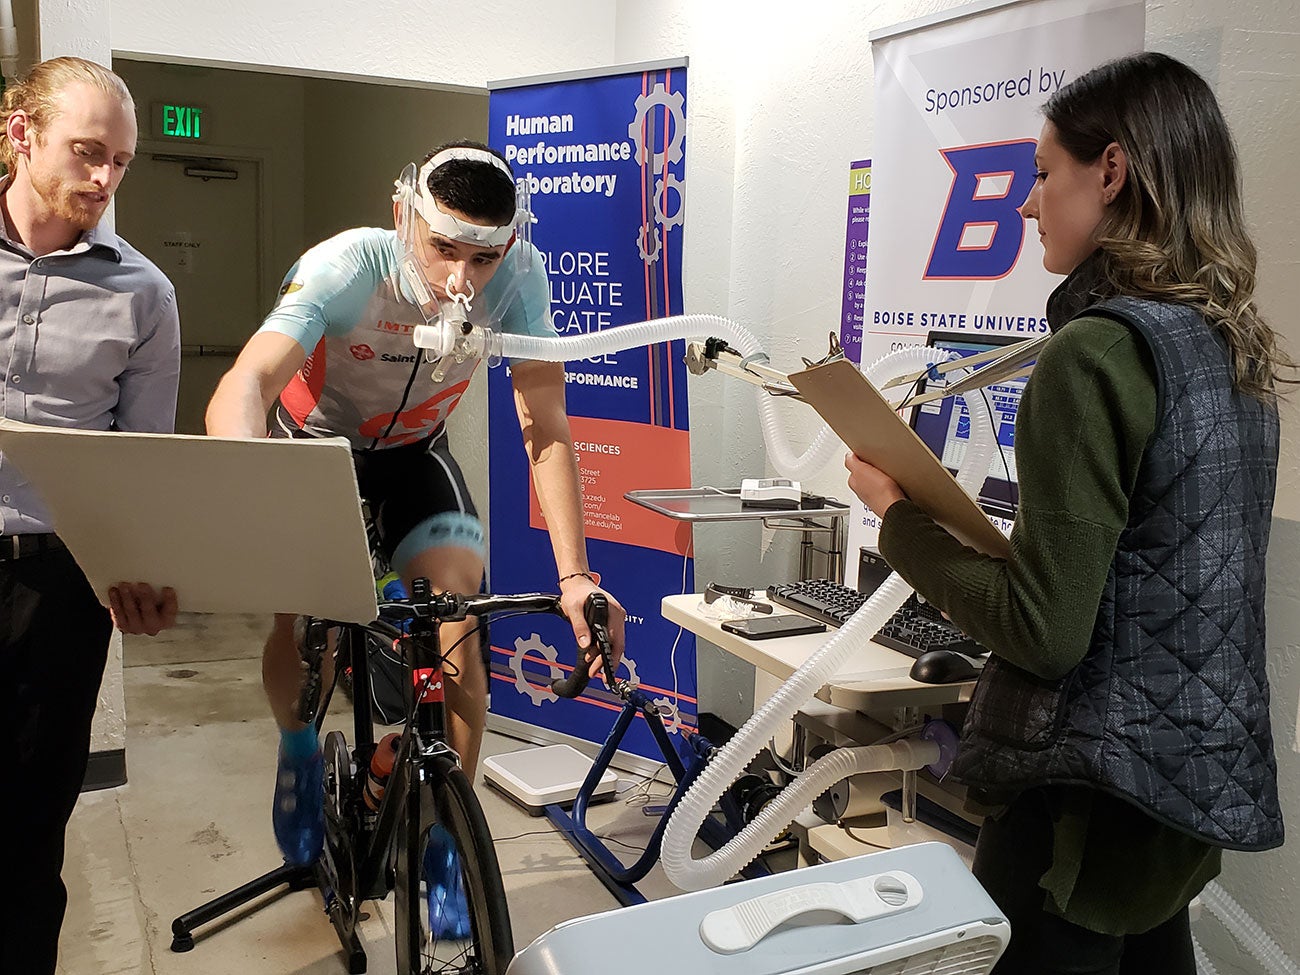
{"type": "Point", "coordinates": [38, 95]}
{"type": "Point", "coordinates": [1176, 231]}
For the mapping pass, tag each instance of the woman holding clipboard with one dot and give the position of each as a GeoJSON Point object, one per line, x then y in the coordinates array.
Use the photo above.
{"type": "Point", "coordinates": [1119, 736]}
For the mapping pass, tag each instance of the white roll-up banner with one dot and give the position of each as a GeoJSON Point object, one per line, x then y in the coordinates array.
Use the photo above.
{"type": "Point", "coordinates": [958, 111]}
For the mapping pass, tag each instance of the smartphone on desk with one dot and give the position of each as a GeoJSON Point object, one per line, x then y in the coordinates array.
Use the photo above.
{"type": "Point", "coordinates": [771, 627]}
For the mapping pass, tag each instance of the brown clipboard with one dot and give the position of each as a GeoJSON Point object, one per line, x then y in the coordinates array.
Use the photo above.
{"type": "Point", "coordinates": [868, 425]}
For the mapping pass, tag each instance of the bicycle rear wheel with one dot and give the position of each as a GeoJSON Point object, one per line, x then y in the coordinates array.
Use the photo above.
{"type": "Point", "coordinates": [444, 796]}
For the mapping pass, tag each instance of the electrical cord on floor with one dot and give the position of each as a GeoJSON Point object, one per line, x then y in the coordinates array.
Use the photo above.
{"type": "Point", "coordinates": [638, 793]}
{"type": "Point", "coordinates": [559, 835]}
{"type": "Point", "coordinates": [779, 762]}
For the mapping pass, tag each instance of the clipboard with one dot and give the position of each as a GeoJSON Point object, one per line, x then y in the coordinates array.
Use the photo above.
{"type": "Point", "coordinates": [233, 525]}
{"type": "Point", "coordinates": [871, 428]}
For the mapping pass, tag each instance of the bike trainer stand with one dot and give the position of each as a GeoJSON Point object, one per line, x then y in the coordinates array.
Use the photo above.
{"type": "Point", "coordinates": [296, 878]}
{"type": "Point", "coordinates": [618, 878]}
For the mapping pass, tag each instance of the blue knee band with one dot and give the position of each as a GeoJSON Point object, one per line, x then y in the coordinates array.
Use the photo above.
{"type": "Point", "coordinates": [449, 529]}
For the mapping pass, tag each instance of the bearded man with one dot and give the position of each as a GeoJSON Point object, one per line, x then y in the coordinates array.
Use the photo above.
{"type": "Point", "coordinates": [89, 338]}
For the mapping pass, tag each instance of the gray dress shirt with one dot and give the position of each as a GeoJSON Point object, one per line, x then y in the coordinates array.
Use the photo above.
{"type": "Point", "coordinates": [89, 338]}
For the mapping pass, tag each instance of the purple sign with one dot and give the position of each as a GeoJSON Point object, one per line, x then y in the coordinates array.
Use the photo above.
{"type": "Point", "coordinates": [853, 310]}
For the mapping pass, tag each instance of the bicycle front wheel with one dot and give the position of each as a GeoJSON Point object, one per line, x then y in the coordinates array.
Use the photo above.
{"type": "Point", "coordinates": [441, 928]}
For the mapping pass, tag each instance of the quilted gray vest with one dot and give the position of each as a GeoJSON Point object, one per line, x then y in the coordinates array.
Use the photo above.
{"type": "Point", "coordinates": [1170, 706]}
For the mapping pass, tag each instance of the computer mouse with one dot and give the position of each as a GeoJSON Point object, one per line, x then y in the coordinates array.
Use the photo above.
{"type": "Point", "coordinates": [942, 667]}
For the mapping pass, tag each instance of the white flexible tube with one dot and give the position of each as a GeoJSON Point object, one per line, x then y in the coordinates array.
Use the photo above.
{"type": "Point", "coordinates": [836, 766]}
{"type": "Point", "coordinates": [727, 765]}
{"type": "Point", "coordinates": [567, 348]}
{"type": "Point", "coordinates": [679, 863]}
{"type": "Point", "coordinates": [788, 461]}
{"type": "Point", "coordinates": [1246, 929]}
{"type": "Point", "coordinates": [1203, 964]}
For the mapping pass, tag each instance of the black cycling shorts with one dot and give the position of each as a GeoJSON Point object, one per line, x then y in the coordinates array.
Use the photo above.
{"type": "Point", "coordinates": [417, 497]}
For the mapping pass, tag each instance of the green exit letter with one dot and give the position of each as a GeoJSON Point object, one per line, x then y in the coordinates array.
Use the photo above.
{"type": "Point", "coordinates": [182, 121]}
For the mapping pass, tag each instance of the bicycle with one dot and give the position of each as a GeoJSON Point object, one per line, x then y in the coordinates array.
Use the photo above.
{"type": "Point", "coordinates": [367, 852]}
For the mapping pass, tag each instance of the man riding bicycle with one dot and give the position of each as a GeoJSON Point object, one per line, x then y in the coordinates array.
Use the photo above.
{"type": "Point", "coordinates": [336, 353]}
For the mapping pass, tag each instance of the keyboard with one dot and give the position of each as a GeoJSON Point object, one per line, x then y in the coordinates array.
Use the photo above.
{"type": "Point", "coordinates": [915, 629]}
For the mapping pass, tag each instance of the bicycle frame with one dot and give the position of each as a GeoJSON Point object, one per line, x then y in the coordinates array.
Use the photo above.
{"type": "Point", "coordinates": [423, 734]}
{"type": "Point", "coordinates": [368, 840]}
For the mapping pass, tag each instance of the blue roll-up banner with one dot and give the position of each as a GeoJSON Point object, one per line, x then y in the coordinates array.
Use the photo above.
{"type": "Point", "coordinates": [604, 160]}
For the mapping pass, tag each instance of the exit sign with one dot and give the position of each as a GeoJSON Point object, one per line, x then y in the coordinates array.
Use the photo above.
{"type": "Point", "coordinates": [172, 120]}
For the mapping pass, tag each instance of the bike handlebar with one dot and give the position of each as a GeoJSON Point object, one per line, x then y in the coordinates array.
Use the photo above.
{"type": "Point", "coordinates": [444, 607]}
{"type": "Point", "coordinates": [452, 606]}
{"type": "Point", "coordinates": [596, 613]}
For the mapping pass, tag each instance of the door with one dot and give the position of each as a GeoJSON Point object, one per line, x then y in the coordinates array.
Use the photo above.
{"type": "Point", "coordinates": [200, 221]}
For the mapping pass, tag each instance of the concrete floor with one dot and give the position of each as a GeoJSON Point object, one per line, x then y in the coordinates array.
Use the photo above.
{"type": "Point", "coordinates": [194, 821]}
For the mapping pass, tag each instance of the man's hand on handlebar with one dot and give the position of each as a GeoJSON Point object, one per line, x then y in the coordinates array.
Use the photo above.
{"type": "Point", "coordinates": [573, 596]}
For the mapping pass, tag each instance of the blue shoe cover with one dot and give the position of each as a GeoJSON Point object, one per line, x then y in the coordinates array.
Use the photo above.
{"type": "Point", "coordinates": [448, 907]}
{"type": "Point", "coordinates": [298, 815]}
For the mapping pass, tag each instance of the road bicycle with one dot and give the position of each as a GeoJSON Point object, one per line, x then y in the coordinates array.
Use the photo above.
{"type": "Point", "coordinates": [369, 852]}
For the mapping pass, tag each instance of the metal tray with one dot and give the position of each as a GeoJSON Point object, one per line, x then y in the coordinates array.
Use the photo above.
{"type": "Point", "coordinates": [712, 504]}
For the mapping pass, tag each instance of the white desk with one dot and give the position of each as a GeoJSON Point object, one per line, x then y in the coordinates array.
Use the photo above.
{"type": "Point", "coordinates": [873, 676]}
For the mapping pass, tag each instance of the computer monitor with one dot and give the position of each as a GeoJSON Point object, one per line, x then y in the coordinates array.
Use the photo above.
{"type": "Point", "coordinates": [944, 425]}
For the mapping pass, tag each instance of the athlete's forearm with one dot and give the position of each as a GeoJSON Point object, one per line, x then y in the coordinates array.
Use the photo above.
{"type": "Point", "coordinates": [539, 399]}
{"type": "Point", "coordinates": [237, 408]}
{"type": "Point", "coordinates": [555, 476]}
{"type": "Point", "coordinates": [245, 394]}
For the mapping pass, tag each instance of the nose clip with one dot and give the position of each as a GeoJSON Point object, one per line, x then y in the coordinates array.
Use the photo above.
{"type": "Point", "coordinates": [460, 297]}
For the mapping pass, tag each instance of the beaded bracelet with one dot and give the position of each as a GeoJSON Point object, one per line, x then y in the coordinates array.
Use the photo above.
{"type": "Point", "coordinates": [594, 579]}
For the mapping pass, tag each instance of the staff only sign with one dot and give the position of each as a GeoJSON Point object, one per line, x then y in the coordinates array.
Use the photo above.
{"type": "Point", "coordinates": [603, 159]}
{"type": "Point", "coordinates": [958, 101]}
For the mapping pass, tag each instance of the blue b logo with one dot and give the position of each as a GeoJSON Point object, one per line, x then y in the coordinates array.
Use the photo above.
{"type": "Point", "coordinates": [981, 230]}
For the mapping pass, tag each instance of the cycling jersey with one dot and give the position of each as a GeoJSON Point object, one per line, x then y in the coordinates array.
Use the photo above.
{"type": "Point", "coordinates": [346, 304]}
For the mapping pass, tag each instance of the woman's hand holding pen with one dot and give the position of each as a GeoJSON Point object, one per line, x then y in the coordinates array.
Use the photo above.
{"type": "Point", "coordinates": [876, 488]}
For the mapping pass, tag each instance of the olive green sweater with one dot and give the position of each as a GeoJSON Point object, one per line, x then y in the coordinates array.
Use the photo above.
{"type": "Point", "coordinates": [1084, 422]}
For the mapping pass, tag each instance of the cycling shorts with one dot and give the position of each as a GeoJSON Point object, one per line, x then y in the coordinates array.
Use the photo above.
{"type": "Point", "coordinates": [417, 497]}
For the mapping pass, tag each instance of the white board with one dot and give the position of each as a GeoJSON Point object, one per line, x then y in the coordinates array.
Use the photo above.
{"type": "Point", "coordinates": [234, 526]}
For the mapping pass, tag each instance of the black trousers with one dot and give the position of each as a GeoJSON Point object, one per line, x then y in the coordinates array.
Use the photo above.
{"type": "Point", "coordinates": [54, 638]}
{"type": "Point", "coordinates": [1013, 852]}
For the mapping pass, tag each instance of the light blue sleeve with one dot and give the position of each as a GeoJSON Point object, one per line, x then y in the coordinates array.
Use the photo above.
{"type": "Point", "coordinates": [529, 311]}
{"type": "Point", "coordinates": [327, 290]}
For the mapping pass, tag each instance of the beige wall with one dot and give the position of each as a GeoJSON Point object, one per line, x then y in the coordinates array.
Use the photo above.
{"type": "Point", "coordinates": [245, 110]}
{"type": "Point", "coordinates": [358, 138]}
